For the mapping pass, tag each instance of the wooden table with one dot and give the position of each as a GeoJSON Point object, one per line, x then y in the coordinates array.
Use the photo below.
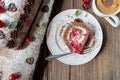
{"type": "Point", "coordinates": [105, 66]}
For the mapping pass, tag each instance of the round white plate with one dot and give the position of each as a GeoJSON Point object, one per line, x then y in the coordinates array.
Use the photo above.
{"type": "Point", "coordinates": [56, 44]}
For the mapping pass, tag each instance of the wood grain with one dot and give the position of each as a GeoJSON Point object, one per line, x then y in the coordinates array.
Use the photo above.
{"type": "Point", "coordinates": [105, 66]}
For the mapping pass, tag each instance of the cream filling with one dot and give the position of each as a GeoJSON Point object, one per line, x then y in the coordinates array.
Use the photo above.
{"type": "Point", "coordinates": [79, 37]}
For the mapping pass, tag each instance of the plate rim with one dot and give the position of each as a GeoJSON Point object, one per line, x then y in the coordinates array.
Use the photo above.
{"type": "Point", "coordinates": [79, 54]}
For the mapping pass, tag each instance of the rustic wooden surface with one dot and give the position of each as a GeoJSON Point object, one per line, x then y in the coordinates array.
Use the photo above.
{"type": "Point", "coordinates": [105, 66]}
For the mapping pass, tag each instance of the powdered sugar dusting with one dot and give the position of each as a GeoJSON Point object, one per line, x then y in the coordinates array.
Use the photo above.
{"type": "Point", "coordinates": [15, 60]}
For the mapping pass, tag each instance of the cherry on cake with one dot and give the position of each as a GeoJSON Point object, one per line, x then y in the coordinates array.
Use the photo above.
{"type": "Point", "coordinates": [76, 35]}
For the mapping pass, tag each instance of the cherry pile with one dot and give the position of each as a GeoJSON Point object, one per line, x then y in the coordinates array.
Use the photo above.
{"type": "Point", "coordinates": [85, 4]}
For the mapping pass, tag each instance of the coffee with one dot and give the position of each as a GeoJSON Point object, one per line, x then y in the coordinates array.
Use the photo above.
{"type": "Point", "coordinates": [108, 6]}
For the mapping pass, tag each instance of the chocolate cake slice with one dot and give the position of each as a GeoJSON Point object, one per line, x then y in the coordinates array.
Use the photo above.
{"type": "Point", "coordinates": [16, 17]}
{"type": "Point", "coordinates": [76, 35]}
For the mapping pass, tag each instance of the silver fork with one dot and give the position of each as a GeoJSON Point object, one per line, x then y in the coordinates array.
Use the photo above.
{"type": "Point", "coordinates": [60, 55]}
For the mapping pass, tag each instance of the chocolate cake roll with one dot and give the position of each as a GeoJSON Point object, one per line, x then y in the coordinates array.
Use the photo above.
{"type": "Point", "coordinates": [76, 35]}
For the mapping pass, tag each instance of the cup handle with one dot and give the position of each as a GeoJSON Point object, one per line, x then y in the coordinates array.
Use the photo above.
{"type": "Point", "coordinates": [113, 20]}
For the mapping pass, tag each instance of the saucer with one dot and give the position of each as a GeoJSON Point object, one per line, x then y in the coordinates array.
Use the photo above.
{"type": "Point", "coordinates": [56, 44]}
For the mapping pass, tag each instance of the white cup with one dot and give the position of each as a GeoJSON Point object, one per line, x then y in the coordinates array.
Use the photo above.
{"type": "Point", "coordinates": [113, 19]}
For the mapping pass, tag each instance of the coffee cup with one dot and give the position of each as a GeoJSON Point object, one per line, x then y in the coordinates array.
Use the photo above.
{"type": "Point", "coordinates": [112, 18]}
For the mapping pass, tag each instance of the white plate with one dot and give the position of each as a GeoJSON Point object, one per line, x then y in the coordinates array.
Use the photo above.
{"type": "Point", "coordinates": [56, 44]}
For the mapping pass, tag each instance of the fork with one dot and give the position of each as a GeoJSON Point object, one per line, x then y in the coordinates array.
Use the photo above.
{"type": "Point", "coordinates": [60, 55]}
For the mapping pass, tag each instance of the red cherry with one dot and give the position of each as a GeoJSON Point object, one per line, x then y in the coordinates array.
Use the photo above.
{"type": "Point", "coordinates": [85, 6]}
{"type": "Point", "coordinates": [28, 39]}
{"type": "Point", "coordinates": [73, 34]}
{"type": "Point", "coordinates": [72, 44]}
{"type": "Point", "coordinates": [13, 77]}
{"type": "Point", "coordinates": [1, 9]}
{"type": "Point", "coordinates": [77, 20]}
{"type": "Point", "coordinates": [75, 46]}
{"type": "Point", "coordinates": [86, 35]}
{"type": "Point", "coordinates": [86, 1]}
{"type": "Point", "coordinates": [78, 46]}
{"type": "Point", "coordinates": [1, 24]}
{"type": "Point", "coordinates": [73, 50]}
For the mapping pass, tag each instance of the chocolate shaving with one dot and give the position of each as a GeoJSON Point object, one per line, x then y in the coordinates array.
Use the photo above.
{"type": "Point", "coordinates": [11, 44]}
{"type": "Point", "coordinates": [30, 60]}
{"type": "Point", "coordinates": [12, 7]}
{"type": "Point", "coordinates": [45, 8]}
{"type": "Point", "coordinates": [14, 34]}
{"type": "Point", "coordinates": [107, 2]}
{"type": "Point", "coordinates": [1, 35]}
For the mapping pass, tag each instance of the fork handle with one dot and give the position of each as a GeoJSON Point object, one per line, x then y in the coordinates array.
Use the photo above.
{"type": "Point", "coordinates": [56, 56]}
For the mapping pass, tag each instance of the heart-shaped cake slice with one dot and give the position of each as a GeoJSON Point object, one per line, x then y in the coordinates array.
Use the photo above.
{"type": "Point", "coordinates": [76, 35]}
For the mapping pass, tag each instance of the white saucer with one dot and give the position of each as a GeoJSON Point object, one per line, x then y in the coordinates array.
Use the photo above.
{"type": "Point", "coordinates": [56, 44]}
